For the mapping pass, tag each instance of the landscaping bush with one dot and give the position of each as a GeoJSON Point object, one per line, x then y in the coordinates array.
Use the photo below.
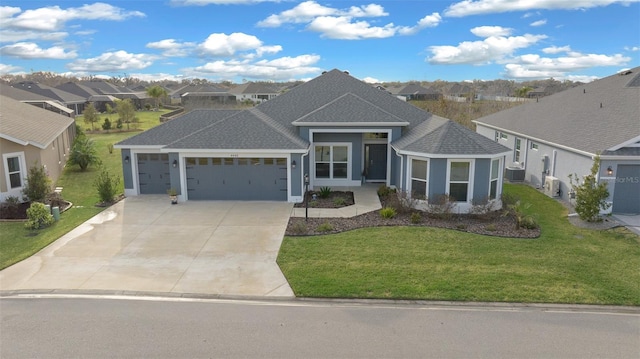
{"type": "Point", "coordinates": [107, 186]}
{"type": "Point", "coordinates": [37, 185]}
{"type": "Point", "coordinates": [299, 228]}
{"type": "Point", "coordinates": [83, 153]}
{"type": "Point", "coordinates": [388, 212]}
{"type": "Point", "coordinates": [106, 125]}
{"type": "Point", "coordinates": [416, 217]}
{"type": "Point", "coordinates": [38, 216]}
{"type": "Point", "coordinates": [339, 201]}
{"type": "Point", "coordinates": [325, 227]}
{"type": "Point", "coordinates": [481, 209]}
{"type": "Point", "coordinates": [443, 207]}
{"type": "Point", "coordinates": [384, 191]}
{"type": "Point", "coordinates": [324, 192]}
{"type": "Point", "coordinates": [591, 196]}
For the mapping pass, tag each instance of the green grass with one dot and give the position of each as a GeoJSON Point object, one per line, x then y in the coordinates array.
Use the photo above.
{"type": "Point", "coordinates": [565, 265]}
{"type": "Point", "coordinates": [17, 243]}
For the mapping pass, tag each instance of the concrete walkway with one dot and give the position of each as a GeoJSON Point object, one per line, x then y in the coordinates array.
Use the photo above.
{"type": "Point", "coordinates": [631, 221]}
{"type": "Point", "coordinates": [144, 244]}
{"type": "Point", "coordinates": [365, 198]}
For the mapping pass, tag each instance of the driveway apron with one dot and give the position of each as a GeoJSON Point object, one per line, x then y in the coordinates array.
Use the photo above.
{"type": "Point", "coordinates": [146, 244]}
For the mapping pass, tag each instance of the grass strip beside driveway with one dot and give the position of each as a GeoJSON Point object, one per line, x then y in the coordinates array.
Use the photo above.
{"type": "Point", "coordinates": [565, 265]}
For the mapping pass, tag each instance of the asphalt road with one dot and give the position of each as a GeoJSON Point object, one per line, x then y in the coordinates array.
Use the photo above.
{"type": "Point", "coordinates": [139, 327]}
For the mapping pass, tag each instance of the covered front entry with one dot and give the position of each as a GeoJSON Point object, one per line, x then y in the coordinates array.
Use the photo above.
{"type": "Point", "coordinates": [626, 197]}
{"type": "Point", "coordinates": [153, 173]}
{"type": "Point", "coordinates": [263, 179]}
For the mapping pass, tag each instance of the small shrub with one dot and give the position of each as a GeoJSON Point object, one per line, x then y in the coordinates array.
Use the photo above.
{"type": "Point", "coordinates": [12, 200]}
{"type": "Point", "coordinates": [37, 185]}
{"type": "Point", "coordinates": [147, 107]}
{"type": "Point", "coordinates": [119, 124]}
{"type": "Point", "coordinates": [325, 227]}
{"type": "Point", "coordinates": [325, 192]}
{"type": "Point", "coordinates": [443, 207]}
{"type": "Point", "coordinates": [509, 199]}
{"type": "Point", "coordinates": [388, 212]}
{"type": "Point", "coordinates": [313, 203]}
{"type": "Point", "coordinates": [106, 125]}
{"type": "Point", "coordinates": [528, 222]}
{"type": "Point", "coordinates": [110, 148]}
{"type": "Point", "coordinates": [461, 226]}
{"type": "Point", "coordinates": [54, 199]}
{"type": "Point", "coordinates": [38, 216]}
{"type": "Point", "coordinates": [339, 201]}
{"type": "Point", "coordinates": [481, 209]}
{"type": "Point", "coordinates": [591, 195]}
{"type": "Point", "coordinates": [523, 220]}
{"type": "Point", "coordinates": [384, 191]}
{"type": "Point", "coordinates": [491, 227]}
{"type": "Point", "coordinates": [299, 228]}
{"type": "Point", "coordinates": [402, 202]}
{"type": "Point", "coordinates": [83, 153]}
{"type": "Point", "coordinates": [416, 217]}
{"type": "Point", "coordinates": [107, 186]}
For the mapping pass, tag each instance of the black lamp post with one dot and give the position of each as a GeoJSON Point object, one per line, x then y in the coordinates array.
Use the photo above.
{"type": "Point", "coordinates": [306, 197]}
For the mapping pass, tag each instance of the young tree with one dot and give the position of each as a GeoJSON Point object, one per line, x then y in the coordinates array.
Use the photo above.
{"type": "Point", "coordinates": [83, 153]}
{"type": "Point", "coordinates": [38, 184]}
{"type": "Point", "coordinates": [90, 115]}
{"type": "Point", "coordinates": [126, 111]}
{"type": "Point", "coordinates": [156, 92]}
{"type": "Point", "coordinates": [591, 196]}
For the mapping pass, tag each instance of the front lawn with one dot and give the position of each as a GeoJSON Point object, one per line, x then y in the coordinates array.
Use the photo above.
{"type": "Point", "coordinates": [565, 264]}
{"type": "Point", "coordinates": [17, 243]}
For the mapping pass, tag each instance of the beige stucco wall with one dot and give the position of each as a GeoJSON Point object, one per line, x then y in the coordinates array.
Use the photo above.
{"type": "Point", "coordinates": [54, 158]}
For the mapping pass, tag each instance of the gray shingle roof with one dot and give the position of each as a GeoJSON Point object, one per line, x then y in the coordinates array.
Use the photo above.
{"type": "Point", "coordinates": [444, 137]}
{"type": "Point", "coordinates": [27, 124]}
{"type": "Point", "coordinates": [252, 88]}
{"type": "Point", "coordinates": [50, 92]}
{"type": "Point", "coordinates": [592, 118]}
{"type": "Point", "coordinates": [349, 108]}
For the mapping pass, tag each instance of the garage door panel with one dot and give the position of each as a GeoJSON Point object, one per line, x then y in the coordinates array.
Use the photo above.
{"type": "Point", "coordinates": [237, 179]}
{"type": "Point", "coordinates": [626, 195]}
{"type": "Point", "coordinates": [153, 173]}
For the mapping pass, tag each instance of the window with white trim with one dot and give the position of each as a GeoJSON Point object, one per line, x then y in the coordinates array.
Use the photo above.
{"type": "Point", "coordinates": [534, 146]}
{"type": "Point", "coordinates": [332, 161]}
{"type": "Point", "coordinates": [459, 180]}
{"type": "Point", "coordinates": [493, 179]}
{"type": "Point", "coordinates": [15, 173]}
{"type": "Point", "coordinates": [517, 150]}
{"type": "Point", "coordinates": [419, 179]}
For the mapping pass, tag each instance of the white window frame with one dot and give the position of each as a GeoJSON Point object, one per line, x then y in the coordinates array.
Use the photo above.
{"type": "Point", "coordinates": [23, 171]}
{"type": "Point", "coordinates": [504, 136]}
{"type": "Point", "coordinates": [534, 146]}
{"type": "Point", "coordinates": [469, 181]}
{"type": "Point", "coordinates": [331, 180]}
{"type": "Point", "coordinates": [411, 178]}
{"type": "Point", "coordinates": [497, 179]}
{"type": "Point", "coordinates": [517, 149]}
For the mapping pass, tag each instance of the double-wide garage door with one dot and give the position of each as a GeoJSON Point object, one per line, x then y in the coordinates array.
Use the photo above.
{"type": "Point", "coordinates": [263, 179]}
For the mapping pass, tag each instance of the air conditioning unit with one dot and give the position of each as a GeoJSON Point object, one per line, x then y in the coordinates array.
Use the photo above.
{"type": "Point", "coordinates": [551, 186]}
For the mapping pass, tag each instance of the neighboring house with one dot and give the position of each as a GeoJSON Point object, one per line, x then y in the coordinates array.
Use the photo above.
{"type": "Point", "coordinates": [254, 92]}
{"type": "Point", "coordinates": [35, 99]}
{"type": "Point", "coordinates": [30, 136]}
{"type": "Point", "coordinates": [414, 92]}
{"type": "Point", "coordinates": [87, 89]}
{"type": "Point", "coordinates": [559, 135]}
{"type": "Point", "coordinates": [69, 100]}
{"type": "Point", "coordinates": [176, 94]}
{"type": "Point", "coordinates": [537, 92]}
{"type": "Point", "coordinates": [336, 129]}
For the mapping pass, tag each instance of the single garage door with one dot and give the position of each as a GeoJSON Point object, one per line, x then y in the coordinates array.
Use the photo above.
{"type": "Point", "coordinates": [626, 195]}
{"type": "Point", "coordinates": [153, 173]}
{"type": "Point", "coordinates": [262, 179]}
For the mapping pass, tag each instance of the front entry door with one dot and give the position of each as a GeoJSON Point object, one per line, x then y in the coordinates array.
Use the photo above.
{"type": "Point", "coordinates": [375, 162]}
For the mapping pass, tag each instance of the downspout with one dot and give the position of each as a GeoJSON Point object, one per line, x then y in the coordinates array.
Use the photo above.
{"type": "Point", "coordinates": [401, 166]}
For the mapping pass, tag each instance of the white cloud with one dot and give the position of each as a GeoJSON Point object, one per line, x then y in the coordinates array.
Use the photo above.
{"type": "Point", "coordinates": [15, 36]}
{"type": "Point", "coordinates": [113, 61]}
{"type": "Point", "coordinates": [5, 69]}
{"type": "Point", "coordinates": [478, 7]}
{"type": "Point", "coordinates": [556, 49]}
{"type": "Point", "coordinates": [337, 23]}
{"type": "Point", "coordinates": [371, 80]}
{"type": "Point", "coordinates": [491, 49]}
{"type": "Point", "coordinates": [533, 66]}
{"type": "Point", "coordinates": [282, 69]}
{"type": "Point", "coordinates": [30, 50]}
{"type": "Point", "coordinates": [539, 23]}
{"type": "Point", "coordinates": [172, 48]}
{"type": "Point", "coordinates": [218, 2]}
{"type": "Point", "coordinates": [53, 18]}
{"type": "Point", "coordinates": [488, 31]}
{"type": "Point", "coordinates": [227, 45]}
{"type": "Point", "coordinates": [157, 77]}
{"type": "Point", "coordinates": [632, 48]}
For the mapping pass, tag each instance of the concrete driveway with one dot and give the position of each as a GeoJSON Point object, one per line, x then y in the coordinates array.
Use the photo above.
{"type": "Point", "coordinates": [145, 244]}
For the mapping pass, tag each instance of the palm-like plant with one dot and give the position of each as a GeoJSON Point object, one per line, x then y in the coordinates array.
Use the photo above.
{"type": "Point", "coordinates": [83, 153]}
{"type": "Point", "coordinates": [156, 92]}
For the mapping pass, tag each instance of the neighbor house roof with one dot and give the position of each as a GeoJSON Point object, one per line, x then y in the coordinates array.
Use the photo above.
{"type": "Point", "coordinates": [252, 88]}
{"type": "Point", "coordinates": [78, 89]}
{"type": "Point", "coordinates": [52, 93]}
{"type": "Point", "coordinates": [411, 89]}
{"type": "Point", "coordinates": [598, 116]}
{"type": "Point", "coordinates": [22, 95]}
{"type": "Point", "coordinates": [29, 125]}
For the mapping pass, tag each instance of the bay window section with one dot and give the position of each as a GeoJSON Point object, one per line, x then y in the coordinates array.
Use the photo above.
{"type": "Point", "coordinates": [459, 174]}
{"type": "Point", "coordinates": [418, 179]}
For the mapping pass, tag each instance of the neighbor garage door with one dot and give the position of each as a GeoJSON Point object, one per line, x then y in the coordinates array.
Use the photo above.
{"type": "Point", "coordinates": [263, 179]}
{"type": "Point", "coordinates": [626, 195]}
{"type": "Point", "coordinates": [153, 173]}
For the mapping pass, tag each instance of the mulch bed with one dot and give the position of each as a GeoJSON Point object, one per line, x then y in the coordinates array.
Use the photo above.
{"type": "Point", "coordinates": [19, 211]}
{"type": "Point", "coordinates": [332, 201]}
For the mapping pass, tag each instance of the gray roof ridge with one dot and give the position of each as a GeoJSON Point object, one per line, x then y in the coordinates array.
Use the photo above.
{"type": "Point", "coordinates": [203, 128]}
{"type": "Point", "coordinates": [421, 130]}
{"type": "Point", "coordinates": [345, 95]}
{"type": "Point", "coordinates": [278, 127]}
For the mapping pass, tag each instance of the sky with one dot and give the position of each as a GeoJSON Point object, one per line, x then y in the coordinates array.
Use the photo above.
{"type": "Point", "coordinates": [279, 40]}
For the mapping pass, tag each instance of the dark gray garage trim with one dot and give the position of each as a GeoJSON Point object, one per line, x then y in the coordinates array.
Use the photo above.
{"type": "Point", "coordinates": [231, 178]}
